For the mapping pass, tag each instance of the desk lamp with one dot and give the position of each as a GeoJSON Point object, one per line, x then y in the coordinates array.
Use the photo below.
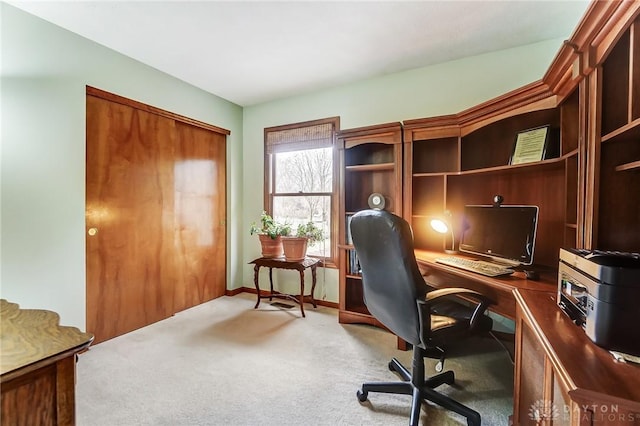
{"type": "Point", "coordinates": [443, 225]}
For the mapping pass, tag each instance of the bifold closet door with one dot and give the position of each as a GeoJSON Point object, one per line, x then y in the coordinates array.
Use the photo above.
{"type": "Point", "coordinates": [129, 218]}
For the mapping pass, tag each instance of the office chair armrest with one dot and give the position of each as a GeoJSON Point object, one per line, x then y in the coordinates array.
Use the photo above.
{"type": "Point", "coordinates": [483, 301]}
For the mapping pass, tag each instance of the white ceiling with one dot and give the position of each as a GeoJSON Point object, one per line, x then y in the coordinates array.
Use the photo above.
{"type": "Point", "coordinates": [250, 52]}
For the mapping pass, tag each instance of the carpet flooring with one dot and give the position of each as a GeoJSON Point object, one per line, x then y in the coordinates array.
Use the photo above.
{"type": "Point", "coordinates": [225, 363]}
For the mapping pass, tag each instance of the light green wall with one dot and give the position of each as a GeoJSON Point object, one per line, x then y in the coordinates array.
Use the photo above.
{"type": "Point", "coordinates": [431, 91]}
{"type": "Point", "coordinates": [44, 73]}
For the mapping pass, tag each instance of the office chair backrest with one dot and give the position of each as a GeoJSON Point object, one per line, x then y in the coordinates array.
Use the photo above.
{"type": "Point", "coordinates": [391, 279]}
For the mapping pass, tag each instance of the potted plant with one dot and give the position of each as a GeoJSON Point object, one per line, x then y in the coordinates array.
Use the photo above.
{"type": "Point", "coordinates": [295, 247]}
{"type": "Point", "coordinates": [270, 234]}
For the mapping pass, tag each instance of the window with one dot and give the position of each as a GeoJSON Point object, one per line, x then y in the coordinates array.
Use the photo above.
{"type": "Point", "coordinates": [301, 179]}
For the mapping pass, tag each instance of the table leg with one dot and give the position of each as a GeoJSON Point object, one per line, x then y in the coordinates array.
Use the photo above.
{"type": "Point", "coordinates": [271, 284]}
{"type": "Point", "coordinates": [302, 292]}
{"type": "Point", "coordinates": [313, 285]}
{"type": "Point", "coordinates": [256, 268]}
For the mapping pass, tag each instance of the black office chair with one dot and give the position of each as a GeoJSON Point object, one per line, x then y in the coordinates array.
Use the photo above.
{"type": "Point", "coordinates": [396, 294]}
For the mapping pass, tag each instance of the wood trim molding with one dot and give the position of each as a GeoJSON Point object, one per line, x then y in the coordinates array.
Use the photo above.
{"type": "Point", "coordinates": [92, 91]}
{"type": "Point", "coordinates": [387, 129]}
{"type": "Point", "coordinates": [532, 97]}
{"type": "Point", "coordinates": [576, 59]}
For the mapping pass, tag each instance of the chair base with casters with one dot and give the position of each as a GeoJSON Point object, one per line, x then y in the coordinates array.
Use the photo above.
{"type": "Point", "coordinates": [429, 319]}
{"type": "Point", "coordinates": [420, 389]}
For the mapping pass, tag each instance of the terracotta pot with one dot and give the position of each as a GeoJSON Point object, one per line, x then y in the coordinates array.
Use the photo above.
{"type": "Point", "coordinates": [295, 248]}
{"type": "Point", "coordinates": [271, 247]}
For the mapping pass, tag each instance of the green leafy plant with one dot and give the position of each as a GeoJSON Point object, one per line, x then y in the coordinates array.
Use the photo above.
{"type": "Point", "coordinates": [310, 231]}
{"type": "Point", "coordinates": [268, 226]}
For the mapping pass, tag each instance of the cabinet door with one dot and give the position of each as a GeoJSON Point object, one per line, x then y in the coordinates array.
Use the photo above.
{"type": "Point", "coordinates": [530, 373]}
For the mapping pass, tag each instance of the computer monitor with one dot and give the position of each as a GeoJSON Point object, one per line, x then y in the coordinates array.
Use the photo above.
{"type": "Point", "coordinates": [505, 233]}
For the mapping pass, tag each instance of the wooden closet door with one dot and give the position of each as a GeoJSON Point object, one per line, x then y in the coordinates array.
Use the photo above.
{"type": "Point", "coordinates": [199, 214]}
{"type": "Point", "coordinates": [130, 206]}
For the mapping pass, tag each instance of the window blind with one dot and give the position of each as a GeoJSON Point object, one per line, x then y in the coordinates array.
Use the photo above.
{"type": "Point", "coordinates": [298, 138]}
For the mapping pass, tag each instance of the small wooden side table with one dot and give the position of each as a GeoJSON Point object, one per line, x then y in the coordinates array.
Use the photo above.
{"type": "Point", "coordinates": [282, 263]}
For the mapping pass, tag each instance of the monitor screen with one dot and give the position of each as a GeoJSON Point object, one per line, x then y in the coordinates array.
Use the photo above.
{"type": "Point", "coordinates": [506, 233]}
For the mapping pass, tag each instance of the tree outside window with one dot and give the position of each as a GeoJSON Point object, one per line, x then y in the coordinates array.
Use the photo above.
{"type": "Point", "coordinates": [303, 192]}
{"type": "Point", "coordinates": [300, 179]}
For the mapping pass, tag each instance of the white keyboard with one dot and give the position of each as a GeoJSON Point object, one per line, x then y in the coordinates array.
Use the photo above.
{"type": "Point", "coordinates": [481, 267]}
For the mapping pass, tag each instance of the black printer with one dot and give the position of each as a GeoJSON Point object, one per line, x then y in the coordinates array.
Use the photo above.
{"type": "Point", "coordinates": [600, 292]}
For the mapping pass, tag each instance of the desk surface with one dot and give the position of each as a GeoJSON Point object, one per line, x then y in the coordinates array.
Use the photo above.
{"type": "Point", "coordinates": [32, 336]}
{"type": "Point", "coordinates": [584, 367]}
{"type": "Point", "coordinates": [500, 289]}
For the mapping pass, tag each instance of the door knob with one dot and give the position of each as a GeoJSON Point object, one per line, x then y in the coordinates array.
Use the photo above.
{"type": "Point", "coordinates": [92, 231]}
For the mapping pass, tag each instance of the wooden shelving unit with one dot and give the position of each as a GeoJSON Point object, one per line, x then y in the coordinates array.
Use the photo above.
{"type": "Point", "coordinates": [616, 149]}
{"type": "Point", "coordinates": [464, 159]}
{"type": "Point", "coordinates": [370, 161]}
{"type": "Point", "coordinates": [588, 190]}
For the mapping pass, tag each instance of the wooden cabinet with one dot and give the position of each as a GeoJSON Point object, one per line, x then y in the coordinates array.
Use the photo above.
{"type": "Point", "coordinates": [561, 376]}
{"type": "Point", "coordinates": [38, 367]}
{"type": "Point", "coordinates": [464, 159]}
{"type": "Point", "coordinates": [370, 161]}
{"type": "Point", "coordinates": [615, 144]}
{"type": "Point", "coordinates": [587, 189]}
{"type": "Point", "coordinates": [586, 186]}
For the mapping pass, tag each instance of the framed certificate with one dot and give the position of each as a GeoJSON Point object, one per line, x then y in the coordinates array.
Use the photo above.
{"type": "Point", "coordinates": [530, 145]}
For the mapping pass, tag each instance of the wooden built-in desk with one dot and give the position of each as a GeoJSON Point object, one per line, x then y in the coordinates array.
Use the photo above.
{"type": "Point", "coordinates": [37, 366]}
{"type": "Point", "coordinates": [562, 373]}
{"type": "Point", "coordinates": [499, 289]}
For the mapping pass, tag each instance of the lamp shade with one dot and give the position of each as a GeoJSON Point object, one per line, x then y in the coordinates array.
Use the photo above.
{"type": "Point", "coordinates": [440, 226]}
{"type": "Point", "coordinates": [443, 226]}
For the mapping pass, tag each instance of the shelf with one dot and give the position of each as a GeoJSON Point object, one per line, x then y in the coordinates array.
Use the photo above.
{"type": "Point", "coordinates": [370, 167]}
{"type": "Point", "coordinates": [371, 159]}
{"type": "Point", "coordinates": [628, 131]}
{"type": "Point", "coordinates": [501, 169]}
{"type": "Point", "coordinates": [634, 165]}
{"type": "Point", "coordinates": [436, 174]}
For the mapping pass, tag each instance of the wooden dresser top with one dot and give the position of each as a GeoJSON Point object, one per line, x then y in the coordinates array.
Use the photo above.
{"type": "Point", "coordinates": [33, 336]}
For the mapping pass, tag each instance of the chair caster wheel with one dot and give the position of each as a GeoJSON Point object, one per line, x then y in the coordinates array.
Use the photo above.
{"type": "Point", "coordinates": [362, 396]}
{"type": "Point", "coordinates": [440, 366]}
{"type": "Point", "coordinates": [390, 365]}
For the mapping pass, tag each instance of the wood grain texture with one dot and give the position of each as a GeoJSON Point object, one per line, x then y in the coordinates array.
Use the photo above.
{"type": "Point", "coordinates": [585, 372]}
{"type": "Point", "coordinates": [153, 110]}
{"type": "Point", "coordinates": [370, 160]}
{"type": "Point", "coordinates": [498, 289]}
{"type": "Point", "coordinates": [38, 366]}
{"type": "Point", "coordinates": [130, 261]}
{"type": "Point", "coordinates": [28, 336]}
{"type": "Point", "coordinates": [31, 400]}
{"type": "Point", "coordinates": [156, 205]}
{"type": "Point", "coordinates": [200, 214]}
